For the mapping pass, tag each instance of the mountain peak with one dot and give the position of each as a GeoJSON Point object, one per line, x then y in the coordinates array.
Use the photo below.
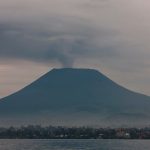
{"type": "Point", "coordinates": [80, 94]}
{"type": "Point", "coordinates": [75, 70]}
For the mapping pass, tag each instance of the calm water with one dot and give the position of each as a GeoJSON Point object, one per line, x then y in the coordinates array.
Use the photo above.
{"type": "Point", "coordinates": [74, 144]}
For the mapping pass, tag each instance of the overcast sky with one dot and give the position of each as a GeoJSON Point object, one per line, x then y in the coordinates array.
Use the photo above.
{"type": "Point", "coordinates": [112, 36]}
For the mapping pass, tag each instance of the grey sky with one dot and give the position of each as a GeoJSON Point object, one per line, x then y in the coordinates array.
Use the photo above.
{"type": "Point", "coordinates": [109, 35]}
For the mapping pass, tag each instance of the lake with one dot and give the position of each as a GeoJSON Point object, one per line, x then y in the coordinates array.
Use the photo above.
{"type": "Point", "coordinates": [74, 144]}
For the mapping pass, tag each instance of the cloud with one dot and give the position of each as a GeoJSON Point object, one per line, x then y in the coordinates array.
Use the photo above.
{"type": "Point", "coordinates": [113, 34]}
{"type": "Point", "coordinates": [46, 31]}
{"type": "Point", "coordinates": [65, 44]}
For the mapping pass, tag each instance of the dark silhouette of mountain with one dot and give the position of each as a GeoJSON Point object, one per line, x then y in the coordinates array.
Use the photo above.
{"type": "Point", "coordinates": [75, 97]}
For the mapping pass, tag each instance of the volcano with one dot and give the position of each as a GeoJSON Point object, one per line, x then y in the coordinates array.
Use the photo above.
{"type": "Point", "coordinates": [75, 97]}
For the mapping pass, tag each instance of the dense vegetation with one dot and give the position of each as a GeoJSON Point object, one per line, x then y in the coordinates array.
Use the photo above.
{"type": "Point", "coordinates": [51, 132]}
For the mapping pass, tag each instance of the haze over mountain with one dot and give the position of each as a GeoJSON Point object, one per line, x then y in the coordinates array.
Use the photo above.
{"type": "Point", "coordinates": [75, 97]}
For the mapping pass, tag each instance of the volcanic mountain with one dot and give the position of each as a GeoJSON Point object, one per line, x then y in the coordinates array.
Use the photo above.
{"type": "Point", "coordinates": [75, 97]}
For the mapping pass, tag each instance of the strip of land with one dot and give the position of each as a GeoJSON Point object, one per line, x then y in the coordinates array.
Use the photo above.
{"type": "Point", "coordinates": [60, 132]}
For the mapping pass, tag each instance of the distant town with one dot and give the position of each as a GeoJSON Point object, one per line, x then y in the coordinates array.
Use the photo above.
{"type": "Point", "coordinates": [59, 132]}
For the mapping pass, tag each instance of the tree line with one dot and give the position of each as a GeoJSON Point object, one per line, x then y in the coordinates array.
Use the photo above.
{"type": "Point", "coordinates": [60, 132]}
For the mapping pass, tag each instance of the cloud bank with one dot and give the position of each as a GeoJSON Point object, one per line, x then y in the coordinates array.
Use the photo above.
{"type": "Point", "coordinates": [52, 34]}
{"type": "Point", "coordinates": [108, 34]}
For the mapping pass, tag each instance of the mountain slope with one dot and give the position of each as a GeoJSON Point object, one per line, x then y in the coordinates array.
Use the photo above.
{"type": "Point", "coordinates": [75, 97]}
